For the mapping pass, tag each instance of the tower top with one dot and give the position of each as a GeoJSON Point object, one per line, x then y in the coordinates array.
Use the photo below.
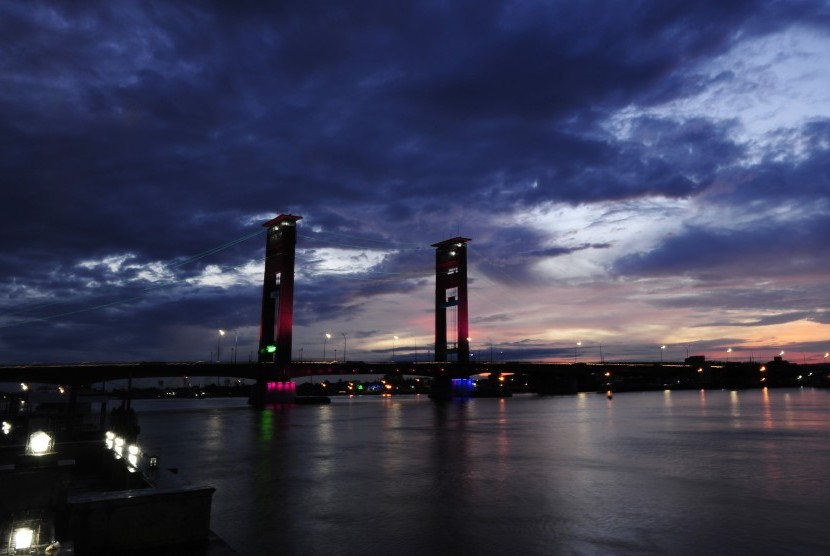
{"type": "Point", "coordinates": [450, 242]}
{"type": "Point", "coordinates": [280, 219]}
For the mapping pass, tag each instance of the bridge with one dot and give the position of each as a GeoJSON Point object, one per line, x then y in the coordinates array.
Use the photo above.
{"type": "Point", "coordinates": [451, 369]}
{"type": "Point", "coordinates": [545, 378]}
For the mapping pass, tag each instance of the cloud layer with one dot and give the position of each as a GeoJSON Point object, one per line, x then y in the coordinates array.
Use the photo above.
{"type": "Point", "coordinates": [632, 174]}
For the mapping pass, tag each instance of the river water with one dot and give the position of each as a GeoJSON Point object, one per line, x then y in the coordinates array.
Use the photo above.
{"type": "Point", "coordinates": [685, 472]}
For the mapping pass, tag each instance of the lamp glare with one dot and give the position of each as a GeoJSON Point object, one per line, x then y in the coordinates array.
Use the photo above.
{"type": "Point", "coordinates": [23, 538]}
{"type": "Point", "coordinates": [39, 443]}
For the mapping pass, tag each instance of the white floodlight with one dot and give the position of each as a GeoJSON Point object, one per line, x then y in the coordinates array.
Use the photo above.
{"type": "Point", "coordinates": [132, 455]}
{"type": "Point", "coordinates": [39, 443]}
{"type": "Point", "coordinates": [23, 538]}
{"type": "Point", "coordinates": [119, 446]}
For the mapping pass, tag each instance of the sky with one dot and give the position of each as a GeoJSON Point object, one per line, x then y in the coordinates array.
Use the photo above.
{"type": "Point", "coordinates": [632, 175]}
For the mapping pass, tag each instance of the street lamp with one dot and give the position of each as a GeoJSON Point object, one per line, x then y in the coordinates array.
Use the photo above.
{"type": "Point", "coordinates": [326, 338]}
{"type": "Point", "coordinates": [219, 345]}
{"type": "Point", "coordinates": [344, 346]}
{"type": "Point", "coordinates": [663, 347]}
{"type": "Point", "coordinates": [728, 351]}
{"type": "Point", "coordinates": [576, 350]}
{"type": "Point", "coordinates": [394, 339]}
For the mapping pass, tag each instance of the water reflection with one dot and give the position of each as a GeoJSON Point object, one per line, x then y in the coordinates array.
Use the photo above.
{"type": "Point", "coordinates": [692, 472]}
{"type": "Point", "coordinates": [735, 408]}
{"type": "Point", "coordinates": [266, 425]}
{"type": "Point", "coordinates": [767, 409]}
{"type": "Point", "coordinates": [502, 442]}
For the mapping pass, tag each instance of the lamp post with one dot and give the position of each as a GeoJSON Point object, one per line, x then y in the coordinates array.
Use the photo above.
{"type": "Point", "coordinates": [663, 347]}
{"type": "Point", "coordinates": [576, 350]}
{"type": "Point", "coordinates": [344, 346]}
{"type": "Point", "coordinates": [394, 339]}
{"type": "Point", "coordinates": [219, 345]}
{"type": "Point", "coordinates": [325, 339]}
{"type": "Point", "coordinates": [728, 351]}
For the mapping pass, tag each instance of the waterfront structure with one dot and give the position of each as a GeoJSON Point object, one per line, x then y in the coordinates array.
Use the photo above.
{"type": "Point", "coordinates": [451, 300]}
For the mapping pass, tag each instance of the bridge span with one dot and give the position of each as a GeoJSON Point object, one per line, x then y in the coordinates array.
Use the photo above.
{"type": "Point", "coordinates": [81, 374]}
{"type": "Point", "coordinates": [547, 378]}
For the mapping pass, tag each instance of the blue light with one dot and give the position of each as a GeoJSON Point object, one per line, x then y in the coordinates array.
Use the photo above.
{"type": "Point", "coordinates": [462, 387]}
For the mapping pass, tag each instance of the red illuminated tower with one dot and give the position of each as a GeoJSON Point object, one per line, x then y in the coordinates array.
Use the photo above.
{"type": "Point", "coordinates": [278, 290]}
{"type": "Point", "coordinates": [451, 298]}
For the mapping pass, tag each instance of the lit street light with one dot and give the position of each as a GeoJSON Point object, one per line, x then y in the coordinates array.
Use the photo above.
{"type": "Point", "coordinates": [219, 345]}
{"type": "Point", "coordinates": [662, 348]}
{"type": "Point", "coordinates": [326, 338]}
{"type": "Point", "coordinates": [728, 351]}
{"type": "Point", "coordinates": [344, 346]}
{"type": "Point", "coordinates": [394, 339]}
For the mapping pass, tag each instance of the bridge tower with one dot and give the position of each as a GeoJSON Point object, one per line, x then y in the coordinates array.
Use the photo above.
{"type": "Point", "coordinates": [278, 290]}
{"type": "Point", "coordinates": [451, 299]}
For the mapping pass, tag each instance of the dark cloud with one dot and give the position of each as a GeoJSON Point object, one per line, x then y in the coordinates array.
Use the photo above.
{"type": "Point", "coordinates": [509, 254]}
{"type": "Point", "coordinates": [763, 249]}
{"type": "Point", "coordinates": [782, 247]}
{"type": "Point", "coordinates": [157, 130]}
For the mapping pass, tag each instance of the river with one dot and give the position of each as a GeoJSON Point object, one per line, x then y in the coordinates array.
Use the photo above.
{"type": "Point", "coordinates": [684, 472]}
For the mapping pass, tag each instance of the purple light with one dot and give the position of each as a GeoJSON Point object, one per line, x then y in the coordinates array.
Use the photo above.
{"type": "Point", "coordinates": [462, 387]}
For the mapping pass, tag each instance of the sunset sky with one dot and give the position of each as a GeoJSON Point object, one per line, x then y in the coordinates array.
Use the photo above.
{"type": "Point", "coordinates": [631, 174]}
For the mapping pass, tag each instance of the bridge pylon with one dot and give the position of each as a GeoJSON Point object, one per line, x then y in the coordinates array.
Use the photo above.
{"type": "Point", "coordinates": [278, 290]}
{"type": "Point", "coordinates": [276, 324]}
{"type": "Point", "coordinates": [451, 299]}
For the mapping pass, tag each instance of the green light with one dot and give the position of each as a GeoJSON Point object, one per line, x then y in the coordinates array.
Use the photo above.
{"type": "Point", "coordinates": [269, 349]}
{"type": "Point", "coordinates": [360, 387]}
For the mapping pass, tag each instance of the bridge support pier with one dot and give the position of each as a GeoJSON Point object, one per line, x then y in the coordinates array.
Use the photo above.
{"type": "Point", "coordinates": [268, 391]}
{"type": "Point", "coordinates": [446, 388]}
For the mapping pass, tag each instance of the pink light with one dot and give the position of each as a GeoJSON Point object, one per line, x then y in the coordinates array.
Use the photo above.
{"type": "Point", "coordinates": [282, 387]}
